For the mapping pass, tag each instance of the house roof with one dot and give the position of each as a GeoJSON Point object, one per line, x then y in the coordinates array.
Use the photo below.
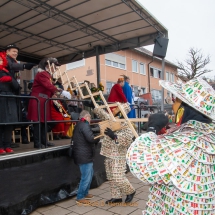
{"type": "Point", "coordinates": [150, 54]}
{"type": "Point", "coordinates": [71, 29]}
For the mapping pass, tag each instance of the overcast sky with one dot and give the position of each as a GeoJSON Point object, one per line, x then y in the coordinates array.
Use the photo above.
{"type": "Point", "coordinates": [190, 23]}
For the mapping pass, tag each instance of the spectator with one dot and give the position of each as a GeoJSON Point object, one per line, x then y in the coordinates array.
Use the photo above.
{"type": "Point", "coordinates": [42, 89]}
{"type": "Point", "coordinates": [129, 96]}
{"type": "Point", "coordinates": [14, 67]}
{"type": "Point", "coordinates": [83, 152]}
{"type": "Point", "coordinates": [116, 94]}
{"type": "Point", "coordinates": [8, 108]}
{"type": "Point", "coordinates": [58, 84]}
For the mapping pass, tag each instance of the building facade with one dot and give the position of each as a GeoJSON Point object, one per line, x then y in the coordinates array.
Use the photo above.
{"type": "Point", "coordinates": [136, 63]}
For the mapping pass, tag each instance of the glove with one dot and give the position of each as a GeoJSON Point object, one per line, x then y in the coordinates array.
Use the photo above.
{"type": "Point", "coordinates": [156, 122]}
{"type": "Point", "coordinates": [110, 133]}
{"type": "Point", "coordinates": [66, 94]}
{"type": "Point", "coordinates": [29, 66]}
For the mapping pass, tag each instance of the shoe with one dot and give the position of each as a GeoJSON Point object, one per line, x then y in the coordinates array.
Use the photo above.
{"type": "Point", "coordinates": [2, 151]}
{"type": "Point", "coordinates": [25, 141]}
{"type": "Point", "coordinates": [14, 145]}
{"type": "Point", "coordinates": [83, 202]}
{"type": "Point", "coordinates": [130, 197]}
{"type": "Point", "coordinates": [88, 196]}
{"type": "Point", "coordinates": [36, 146]}
{"type": "Point", "coordinates": [49, 144]}
{"type": "Point", "coordinates": [9, 150]}
{"type": "Point", "coordinates": [113, 201]}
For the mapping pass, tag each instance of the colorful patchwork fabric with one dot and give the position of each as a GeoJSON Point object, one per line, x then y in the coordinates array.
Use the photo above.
{"type": "Point", "coordinates": [117, 151]}
{"type": "Point", "coordinates": [181, 167]}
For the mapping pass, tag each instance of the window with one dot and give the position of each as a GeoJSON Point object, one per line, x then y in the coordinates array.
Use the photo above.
{"type": "Point", "coordinates": [76, 64]}
{"type": "Point", "coordinates": [115, 64]}
{"type": "Point", "coordinates": [143, 90]}
{"type": "Point", "coordinates": [134, 66]}
{"type": "Point", "coordinates": [122, 66]}
{"type": "Point", "coordinates": [167, 76]}
{"type": "Point", "coordinates": [156, 96]}
{"type": "Point", "coordinates": [142, 69]}
{"type": "Point", "coordinates": [154, 72]}
{"type": "Point", "coordinates": [115, 60]}
{"type": "Point", "coordinates": [170, 77]}
{"type": "Point", "coordinates": [135, 89]}
{"type": "Point", "coordinates": [109, 85]}
{"type": "Point", "coordinates": [108, 62]}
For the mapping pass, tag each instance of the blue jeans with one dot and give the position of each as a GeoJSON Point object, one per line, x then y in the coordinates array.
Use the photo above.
{"type": "Point", "coordinates": [86, 179]}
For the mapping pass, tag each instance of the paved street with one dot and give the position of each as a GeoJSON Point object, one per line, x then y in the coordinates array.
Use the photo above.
{"type": "Point", "coordinates": [101, 194]}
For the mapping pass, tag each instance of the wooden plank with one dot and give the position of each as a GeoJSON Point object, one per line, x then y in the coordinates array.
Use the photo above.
{"type": "Point", "coordinates": [134, 120]}
{"type": "Point", "coordinates": [127, 120]}
{"type": "Point", "coordinates": [106, 106]}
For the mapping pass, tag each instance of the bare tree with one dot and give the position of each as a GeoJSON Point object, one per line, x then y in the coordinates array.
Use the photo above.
{"type": "Point", "coordinates": [194, 65]}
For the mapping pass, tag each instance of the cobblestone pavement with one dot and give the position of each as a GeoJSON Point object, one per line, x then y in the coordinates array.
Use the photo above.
{"type": "Point", "coordinates": [98, 207]}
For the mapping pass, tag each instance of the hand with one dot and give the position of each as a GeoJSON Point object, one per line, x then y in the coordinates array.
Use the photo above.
{"type": "Point", "coordinates": [29, 66]}
{"type": "Point", "coordinates": [59, 90]}
{"type": "Point", "coordinates": [110, 133]}
{"type": "Point", "coordinates": [156, 122]}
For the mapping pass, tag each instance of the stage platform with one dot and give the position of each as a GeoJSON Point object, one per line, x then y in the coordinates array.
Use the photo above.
{"type": "Point", "coordinates": [30, 147]}
{"type": "Point", "coordinates": [33, 177]}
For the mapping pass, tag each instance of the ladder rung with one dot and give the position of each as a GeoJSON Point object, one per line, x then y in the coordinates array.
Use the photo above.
{"type": "Point", "coordinates": [89, 96]}
{"type": "Point", "coordinates": [82, 85]}
{"type": "Point", "coordinates": [109, 105]}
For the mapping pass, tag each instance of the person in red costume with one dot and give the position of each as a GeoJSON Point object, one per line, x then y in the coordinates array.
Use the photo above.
{"type": "Point", "coordinates": [42, 89]}
{"type": "Point", "coordinates": [116, 93]}
{"type": "Point", "coordinates": [8, 108]}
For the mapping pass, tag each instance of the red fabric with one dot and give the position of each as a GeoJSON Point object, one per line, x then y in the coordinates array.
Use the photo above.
{"type": "Point", "coordinates": [56, 115]}
{"type": "Point", "coordinates": [162, 131]}
{"type": "Point", "coordinates": [42, 85]}
{"type": "Point", "coordinates": [117, 95]}
{"type": "Point", "coordinates": [4, 65]}
{"type": "Point", "coordinates": [6, 79]}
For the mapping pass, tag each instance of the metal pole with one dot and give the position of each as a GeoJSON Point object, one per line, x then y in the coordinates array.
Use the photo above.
{"type": "Point", "coordinates": [98, 65]}
{"type": "Point", "coordinates": [162, 90]}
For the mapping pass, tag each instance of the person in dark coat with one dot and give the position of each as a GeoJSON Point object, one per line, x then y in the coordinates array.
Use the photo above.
{"type": "Point", "coordinates": [13, 66]}
{"type": "Point", "coordinates": [43, 89]}
{"type": "Point", "coordinates": [8, 108]}
{"type": "Point", "coordinates": [83, 153]}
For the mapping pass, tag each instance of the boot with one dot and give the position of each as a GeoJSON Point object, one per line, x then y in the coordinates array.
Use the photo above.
{"type": "Point", "coordinates": [36, 136]}
{"type": "Point", "coordinates": [130, 197]}
{"type": "Point", "coordinates": [113, 201]}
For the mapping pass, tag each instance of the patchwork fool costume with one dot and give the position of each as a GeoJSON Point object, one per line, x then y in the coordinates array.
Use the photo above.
{"type": "Point", "coordinates": [114, 149]}
{"type": "Point", "coordinates": [180, 165]}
